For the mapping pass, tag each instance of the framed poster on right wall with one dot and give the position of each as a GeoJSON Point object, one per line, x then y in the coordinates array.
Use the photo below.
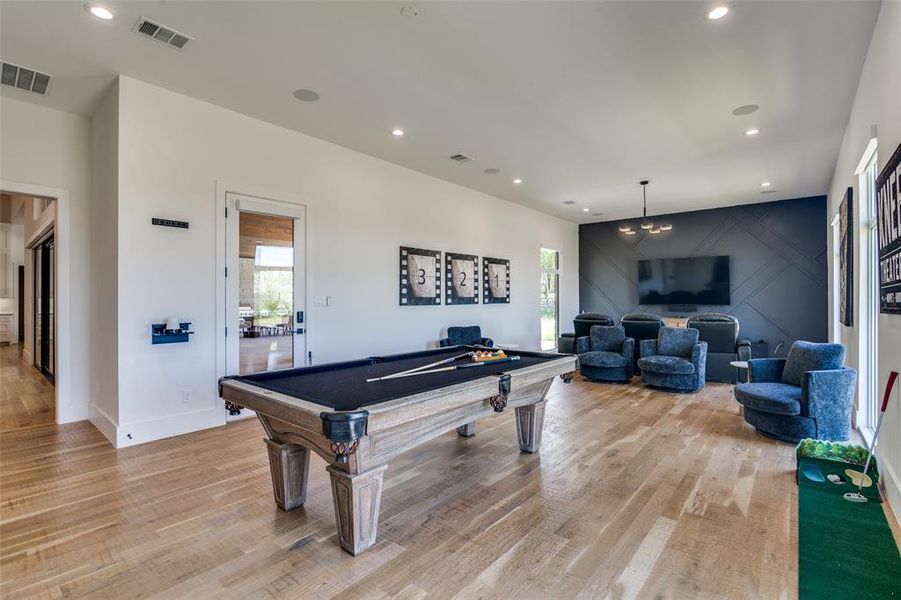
{"type": "Point", "coordinates": [888, 216]}
{"type": "Point", "coordinates": [495, 280]}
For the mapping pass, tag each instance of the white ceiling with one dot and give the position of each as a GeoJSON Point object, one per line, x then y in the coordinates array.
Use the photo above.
{"type": "Point", "coordinates": [580, 99]}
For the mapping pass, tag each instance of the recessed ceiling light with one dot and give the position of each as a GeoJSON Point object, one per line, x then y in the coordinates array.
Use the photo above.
{"type": "Point", "coordinates": [766, 184]}
{"type": "Point", "coordinates": [101, 12]}
{"type": "Point", "coordinates": [718, 12]}
{"type": "Point", "coordinates": [517, 180]}
{"type": "Point", "coordinates": [751, 132]}
{"type": "Point", "coordinates": [398, 133]}
{"type": "Point", "coordinates": [585, 210]}
{"type": "Point", "coordinates": [305, 95]}
{"type": "Point", "coordinates": [745, 109]}
{"type": "Point", "coordinates": [492, 171]}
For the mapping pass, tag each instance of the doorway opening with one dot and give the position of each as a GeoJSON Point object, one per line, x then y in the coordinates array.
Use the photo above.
{"type": "Point", "coordinates": [28, 328]}
{"type": "Point", "coordinates": [265, 286]}
{"type": "Point", "coordinates": [868, 411]}
{"type": "Point", "coordinates": [549, 298]}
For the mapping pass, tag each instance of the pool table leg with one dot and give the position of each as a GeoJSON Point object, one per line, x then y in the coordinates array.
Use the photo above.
{"type": "Point", "coordinates": [467, 430]}
{"type": "Point", "coordinates": [357, 499]}
{"type": "Point", "coordinates": [529, 423]}
{"type": "Point", "coordinates": [289, 464]}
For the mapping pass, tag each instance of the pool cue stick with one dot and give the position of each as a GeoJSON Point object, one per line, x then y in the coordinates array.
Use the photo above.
{"type": "Point", "coordinates": [434, 364]}
{"type": "Point", "coordinates": [451, 368]}
{"type": "Point", "coordinates": [888, 392]}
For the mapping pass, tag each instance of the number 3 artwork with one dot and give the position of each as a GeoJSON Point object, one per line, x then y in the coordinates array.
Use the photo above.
{"type": "Point", "coordinates": [420, 276]}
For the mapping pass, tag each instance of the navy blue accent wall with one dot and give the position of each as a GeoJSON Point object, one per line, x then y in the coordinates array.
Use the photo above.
{"type": "Point", "coordinates": [777, 261]}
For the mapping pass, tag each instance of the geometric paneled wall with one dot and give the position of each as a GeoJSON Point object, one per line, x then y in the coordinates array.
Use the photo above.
{"type": "Point", "coordinates": [777, 256]}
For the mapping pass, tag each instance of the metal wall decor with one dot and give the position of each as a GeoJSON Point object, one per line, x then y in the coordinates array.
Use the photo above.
{"type": "Point", "coordinates": [846, 259]}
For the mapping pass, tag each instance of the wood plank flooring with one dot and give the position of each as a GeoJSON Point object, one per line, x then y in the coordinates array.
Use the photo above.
{"type": "Point", "coordinates": [636, 493]}
{"type": "Point", "coordinates": [26, 397]}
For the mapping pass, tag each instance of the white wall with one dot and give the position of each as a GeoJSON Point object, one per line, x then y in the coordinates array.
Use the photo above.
{"type": "Point", "coordinates": [878, 102]}
{"type": "Point", "coordinates": [51, 148]}
{"type": "Point", "coordinates": [174, 150]}
{"type": "Point", "coordinates": [105, 254]}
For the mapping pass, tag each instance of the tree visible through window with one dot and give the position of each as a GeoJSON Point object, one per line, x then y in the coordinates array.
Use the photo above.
{"type": "Point", "coordinates": [549, 297]}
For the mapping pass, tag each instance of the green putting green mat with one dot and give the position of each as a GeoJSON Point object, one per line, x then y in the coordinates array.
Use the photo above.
{"type": "Point", "coordinates": [846, 549]}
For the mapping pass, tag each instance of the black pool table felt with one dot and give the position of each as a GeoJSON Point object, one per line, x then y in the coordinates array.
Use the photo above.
{"type": "Point", "coordinates": [343, 386]}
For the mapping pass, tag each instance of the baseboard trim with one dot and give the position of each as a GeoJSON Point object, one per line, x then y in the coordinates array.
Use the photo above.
{"type": "Point", "coordinates": [891, 484]}
{"type": "Point", "coordinates": [141, 432]}
{"type": "Point", "coordinates": [104, 423]}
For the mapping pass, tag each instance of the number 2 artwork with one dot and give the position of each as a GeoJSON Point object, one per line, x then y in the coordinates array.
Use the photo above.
{"type": "Point", "coordinates": [461, 277]}
{"type": "Point", "coordinates": [420, 276]}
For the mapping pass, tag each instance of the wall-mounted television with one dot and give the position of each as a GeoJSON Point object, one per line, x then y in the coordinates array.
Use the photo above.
{"type": "Point", "coordinates": [697, 280]}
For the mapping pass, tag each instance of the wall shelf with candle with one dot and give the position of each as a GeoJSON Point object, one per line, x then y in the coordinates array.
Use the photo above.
{"type": "Point", "coordinates": [172, 331]}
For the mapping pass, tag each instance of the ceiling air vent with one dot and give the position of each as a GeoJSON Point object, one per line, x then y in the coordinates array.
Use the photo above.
{"type": "Point", "coordinates": [161, 33]}
{"type": "Point", "coordinates": [460, 158]}
{"type": "Point", "coordinates": [569, 202]}
{"type": "Point", "coordinates": [25, 78]}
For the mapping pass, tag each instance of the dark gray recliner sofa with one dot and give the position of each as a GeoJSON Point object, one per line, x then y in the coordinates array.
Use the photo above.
{"type": "Point", "coordinates": [566, 343]}
{"type": "Point", "coordinates": [641, 326]}
{"type": "Point", "coordinates": [723, 346]}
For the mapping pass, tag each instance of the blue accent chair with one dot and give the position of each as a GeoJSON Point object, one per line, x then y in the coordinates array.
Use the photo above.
{"type": "Point", "coordinates": [465, 336]}
{"type": "Point", "coordinates": [675, 361]}
{"type": "Point", "coordinates": [809, 394]}
{"type": "Point", "coordinates": [606, 354]}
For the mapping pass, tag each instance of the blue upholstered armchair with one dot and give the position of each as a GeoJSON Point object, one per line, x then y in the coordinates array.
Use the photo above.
{"type": "Point", "coordinates": [606, 354]}
{"type": "Point", "coordinates": [809, 394]}
{"type": "Point", "coordinates": [465, 336]}
{"type": "Point", "coordinates": [675, 361]}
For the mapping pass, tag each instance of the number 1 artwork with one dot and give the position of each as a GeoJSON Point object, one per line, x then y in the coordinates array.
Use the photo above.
{"type": "Point", "coordinates": [420, 276]}
{"type": "Point", "coordinates": [495, 280]}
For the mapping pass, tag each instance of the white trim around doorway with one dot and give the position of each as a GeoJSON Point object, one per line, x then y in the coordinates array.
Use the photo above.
{"type": "Point", "coordinates": [262, 197]}
{"type": "Point", "coordinates": [67, 409]}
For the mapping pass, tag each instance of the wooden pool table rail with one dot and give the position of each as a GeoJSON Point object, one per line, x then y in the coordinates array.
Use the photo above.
{"type": "Point", "coordinates": [294, 428]}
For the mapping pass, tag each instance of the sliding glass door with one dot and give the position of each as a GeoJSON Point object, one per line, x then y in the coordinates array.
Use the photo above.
{"type": "Point", "coordinates": [44, 299]}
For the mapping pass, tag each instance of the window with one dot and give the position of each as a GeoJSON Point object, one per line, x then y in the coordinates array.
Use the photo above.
{"type": "Point", "coordinates": [836, 283]}
{"type": "Point", "coordinates": [869, 295]}
{"type": "Point", "coordinates": [549, 298]}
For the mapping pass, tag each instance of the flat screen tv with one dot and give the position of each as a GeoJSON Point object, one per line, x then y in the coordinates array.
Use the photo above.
{"type": "Point", "coordinates": [699, 280]}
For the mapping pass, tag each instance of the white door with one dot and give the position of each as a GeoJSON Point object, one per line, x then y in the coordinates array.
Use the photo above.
{"type": "Point", "coordinates": [265, 289]}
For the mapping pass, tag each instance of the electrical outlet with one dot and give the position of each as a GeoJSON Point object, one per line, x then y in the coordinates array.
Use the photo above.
{"type": "Point", "coordinates": [186, 396]}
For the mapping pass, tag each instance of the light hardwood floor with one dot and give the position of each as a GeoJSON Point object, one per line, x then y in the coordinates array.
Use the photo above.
{"type": "Point", "coordinates": [635, 493]}
{"type": "Point", "coordinates": [26, 397]}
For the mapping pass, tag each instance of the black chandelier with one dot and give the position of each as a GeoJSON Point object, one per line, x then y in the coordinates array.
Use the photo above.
{"type": "Point", "coordinates": [648, 226]}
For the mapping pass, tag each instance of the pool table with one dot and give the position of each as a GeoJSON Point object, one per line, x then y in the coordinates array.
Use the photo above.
{"type": "Point", "coordinates": [359, 426]}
